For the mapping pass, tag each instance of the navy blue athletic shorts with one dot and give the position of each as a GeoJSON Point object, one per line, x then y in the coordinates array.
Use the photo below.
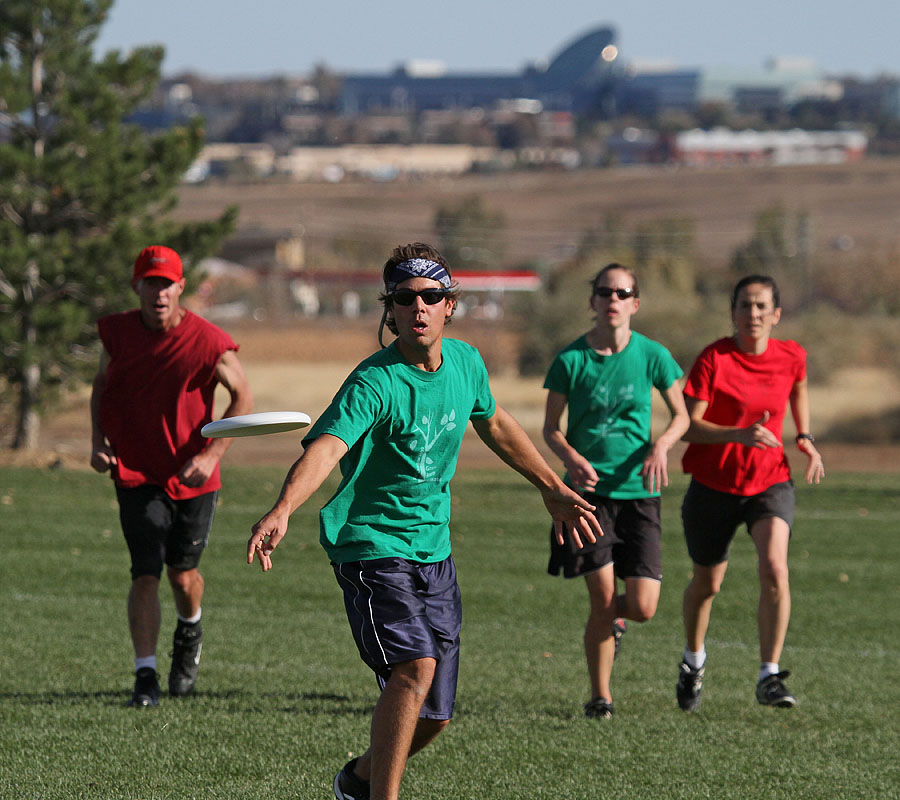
{"type": "Point", "coordinates": [711, 518]}
{"type": "Point", "coordinates": [161, 530]}
{"type": "Point", "coordinates": [630, 541]}
{"type": "Point", "coordinates": [401, 610]}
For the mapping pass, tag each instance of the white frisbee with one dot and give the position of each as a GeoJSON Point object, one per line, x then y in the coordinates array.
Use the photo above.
{"type": "Point", "coordinates": [256, 424]}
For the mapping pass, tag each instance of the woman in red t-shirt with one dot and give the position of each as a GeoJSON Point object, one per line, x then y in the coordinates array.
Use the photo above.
{"type": "Point", "coordinates": [737, 394]}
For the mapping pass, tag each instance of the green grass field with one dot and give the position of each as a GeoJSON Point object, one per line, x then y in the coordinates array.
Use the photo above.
{"type": "Point", "coordinates": [283, 698]}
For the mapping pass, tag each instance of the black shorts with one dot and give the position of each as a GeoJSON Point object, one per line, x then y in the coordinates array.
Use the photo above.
{"type": "Point", "coordinates": [711, 518]}
{"type": "Point", "coordinates": [401, 610]}
{"type": "Point", "coordinates": [161, 530]}
{"type": "Point", "coordinates": [630, 541]}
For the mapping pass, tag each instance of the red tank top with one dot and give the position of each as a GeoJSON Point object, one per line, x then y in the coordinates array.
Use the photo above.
{"type": "Point", "coordinates": [158, 394]}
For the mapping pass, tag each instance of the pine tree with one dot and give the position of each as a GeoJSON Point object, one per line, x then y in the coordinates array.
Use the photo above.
{"type": "Point", "coordinates": [82, 191]}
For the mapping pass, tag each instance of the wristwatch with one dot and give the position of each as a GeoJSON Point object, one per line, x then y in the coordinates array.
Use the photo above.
{"type": "Point", "coordinates": [800, 436]}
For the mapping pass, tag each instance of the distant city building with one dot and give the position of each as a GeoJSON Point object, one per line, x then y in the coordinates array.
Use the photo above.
{"type": "Point", "coordinates": [871, 99]}
{"type": "Point", "coordinates": [791, 79]}
{"type": "Point", "coordinates": [381, 162]}
{"type": "Point", "coordinates": [722, 146]}
{"type": "Point", "coordinates": [648, 91]}
{"type": "Point", "coordinates": [725, 147]}
{"type": "Point", "coordinates": [589, 76]}
{"type": "Point", "coordinates": [638, 146]}
{"type": "Point", "coordinates": [422, 119]}
{"type": "Point", "coordinates": [579, 79]}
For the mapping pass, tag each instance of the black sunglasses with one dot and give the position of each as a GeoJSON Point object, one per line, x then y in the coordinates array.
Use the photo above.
{"type": "Point", "coordinates": [406, 297]}
{"type": "Point", "coordinates": [607, 291]}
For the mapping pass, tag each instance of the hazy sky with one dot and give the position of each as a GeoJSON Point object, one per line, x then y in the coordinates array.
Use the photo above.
{"type": "Point", "coordinates": [235, 37]}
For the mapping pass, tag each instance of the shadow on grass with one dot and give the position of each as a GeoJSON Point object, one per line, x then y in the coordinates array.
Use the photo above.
{"type": "Point", "coordinates": [316, 704]}
{"type": "Point", "coordinates": [229, 700]}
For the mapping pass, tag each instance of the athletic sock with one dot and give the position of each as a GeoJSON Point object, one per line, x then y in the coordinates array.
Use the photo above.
{"type": "Point", "coordinates": [767, 668]}
{"type": "Point", "coordinates": [695, 660]}
{"type": "Point", "coordinates": [146, 661]}
{"type": "Point", "coordinates": [191, 620]}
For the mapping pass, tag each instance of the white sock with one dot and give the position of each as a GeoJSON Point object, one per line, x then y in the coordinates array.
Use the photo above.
{"type": "Point", "coordinates": [695, 660]}
{"type": "Point", "coordinates": [191, 620]}
{"type": "Point", "coordinates": [768, 668]}
{"type": "Point", "coordinates": [146, 661]}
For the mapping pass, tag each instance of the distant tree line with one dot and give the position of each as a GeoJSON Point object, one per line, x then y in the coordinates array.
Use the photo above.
{"type": "Point", "coordinates": [843, 303]}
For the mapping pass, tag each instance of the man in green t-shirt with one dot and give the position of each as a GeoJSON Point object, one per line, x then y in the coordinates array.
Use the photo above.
{"type": "Point", "coordinates": [606, 378]}
{"type": "Point", "coordinates": [395, 427]}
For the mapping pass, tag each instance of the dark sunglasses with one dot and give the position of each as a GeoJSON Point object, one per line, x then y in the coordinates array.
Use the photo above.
{"type": "Point", "coordinates": [607, 291]}
{"type": "Point", "coordinates": [406, 297]}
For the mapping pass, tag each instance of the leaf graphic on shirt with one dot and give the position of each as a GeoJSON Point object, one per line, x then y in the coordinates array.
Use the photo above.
{"type": "Point", "coordinates": [430, 434]}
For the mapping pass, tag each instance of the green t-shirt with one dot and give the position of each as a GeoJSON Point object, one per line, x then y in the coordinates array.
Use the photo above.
{"type": "Point", "coordinates": [609, 400]}
{"type": "Point", "coordinates": [403, 427]}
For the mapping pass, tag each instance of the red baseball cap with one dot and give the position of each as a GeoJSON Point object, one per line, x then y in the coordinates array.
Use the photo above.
{"type": "Point", "coordinates": [157, 261]}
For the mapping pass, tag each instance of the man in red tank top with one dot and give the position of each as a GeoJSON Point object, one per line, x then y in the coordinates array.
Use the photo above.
{"type": "Point", "coordinates": [152, 394]}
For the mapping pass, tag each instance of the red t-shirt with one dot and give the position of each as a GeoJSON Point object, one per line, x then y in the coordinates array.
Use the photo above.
{"type": "Point", "coordinates": [157, 396]}
{"type": "Point", "coordinates": [739, 387]}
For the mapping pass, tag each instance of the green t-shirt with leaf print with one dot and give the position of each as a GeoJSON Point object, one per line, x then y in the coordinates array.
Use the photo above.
{"type": "Point", "coordinates": [403, 427]}
{"type": "Point", "coordinates": [609, 404]}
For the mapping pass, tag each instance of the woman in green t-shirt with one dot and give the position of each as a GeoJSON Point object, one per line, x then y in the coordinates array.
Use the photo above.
{"type": "Point", "coordinates": [605, 378]}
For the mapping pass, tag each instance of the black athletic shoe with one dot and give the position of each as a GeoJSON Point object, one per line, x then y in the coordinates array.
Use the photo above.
{"type": "Point", "coordinates": [689, 690]}
{"type": "Point", "coordinates": [347, 786]}
{"type": "Point", "coordinates": [598, 708]}
{"type": "Point", "coordinates": [186, 646]}
{"type": "Point", "coordinates": [618, 632]}
{"type": "Point", "coordinates": [146, 688]}
{"type": "Point", "coordinates": [771, 691]}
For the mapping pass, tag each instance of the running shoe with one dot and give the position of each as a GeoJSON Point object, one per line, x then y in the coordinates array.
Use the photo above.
{"type": "Point", "coordinates": [146, 688]}
{"type": "Point", "coordinates": [347, 786]}
{"type": "Point", "coordinates": [186, 646]}
{"type": "Point", "coordinates": [771, 691]}
{"type": "Point", "coordinates": [598, 708]}
{"type": "Point", "coordinates": [689, 690]}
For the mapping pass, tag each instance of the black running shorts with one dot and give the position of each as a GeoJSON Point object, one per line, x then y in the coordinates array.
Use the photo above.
{"type": "Point", "coordinates": [711, 518]}
{"type": "Point", "coordinates": [630, 541]}
{"type": "Point", "coordinates": [161, 530]}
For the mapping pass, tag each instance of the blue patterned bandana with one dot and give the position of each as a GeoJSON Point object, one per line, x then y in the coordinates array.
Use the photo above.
{"type": "Point", "coordinates": [417, 268]}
